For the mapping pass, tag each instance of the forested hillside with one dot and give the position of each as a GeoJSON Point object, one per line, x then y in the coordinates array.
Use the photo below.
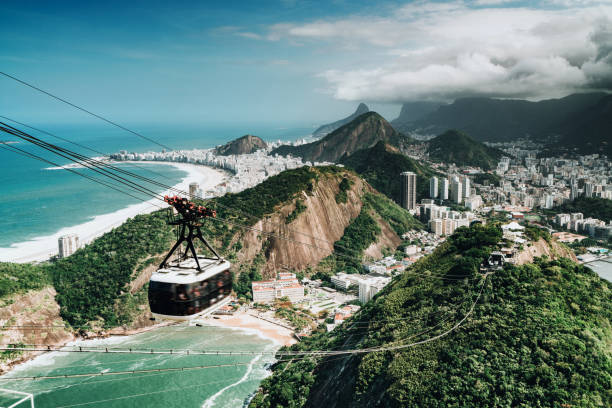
{"type": "Point", "coordinates": [381, 166]}
{"type": "Point", "coordinates": [539, 335]}
{"type": "Point", "coordinates": [456, 147]}
{"type": "Point", "coordinates": [595, 207]}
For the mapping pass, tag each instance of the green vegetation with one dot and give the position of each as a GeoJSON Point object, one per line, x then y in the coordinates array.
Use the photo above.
{"type": "Point", "coordinates": [398, 218]}
{"type": "Point", "coordinates": [19, 278]}
{"type": "Point", "coordinates": [264, 197]}
{"type": "Point", "coordinates": [482, 178]}
{"type": "Point", "coordinates": [594, 207]}
{"type": "Point", "coordinates": [364, 231]}
{"type": "Point", "coordinates": [345, 185]}
{"type": "Point", "coordinates": [457, 147]}
{"type": "Point", "coordinates": [300, 207]}
{"type": "Point", "coordinates": [539, 336]}
{"type": "Point", "coordinates": [89, 282]}
{"type": "Point", "coordinates": [534, 233]}
{"type": "Point", "coordinates": [381, 166]}
{"type": "Point", "coordinates": [296, 319]}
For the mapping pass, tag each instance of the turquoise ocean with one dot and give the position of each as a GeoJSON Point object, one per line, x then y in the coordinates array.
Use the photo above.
{"type": "Point", "coordinates": [36, 201]}
{"type": "Point", "coordinates": [224, 387]}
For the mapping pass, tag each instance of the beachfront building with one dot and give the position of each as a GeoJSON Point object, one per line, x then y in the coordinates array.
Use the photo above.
{"type": "Point", "coordinates": [287, 285]}
{"type": "Point", "coordinates": [67, 245]}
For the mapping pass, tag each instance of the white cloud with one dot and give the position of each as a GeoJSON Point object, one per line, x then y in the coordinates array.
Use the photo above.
{"type": "Point", "coordinates": [428, 50]}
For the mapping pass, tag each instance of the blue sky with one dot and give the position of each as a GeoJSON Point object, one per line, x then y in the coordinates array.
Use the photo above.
{"type": "Point", "coordinates": [291, 61]}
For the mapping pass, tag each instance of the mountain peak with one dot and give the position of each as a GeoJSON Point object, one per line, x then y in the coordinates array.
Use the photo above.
{"type": "Point", "coordinates": [363, 132]}
{"type": "Point", "coordinates": [330, 127]}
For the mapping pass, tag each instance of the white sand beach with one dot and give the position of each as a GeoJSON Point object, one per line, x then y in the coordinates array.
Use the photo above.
{"type": "Point", "coordinates": [42, 248]}
{"type": "Point", "coordinates": [244, 321]}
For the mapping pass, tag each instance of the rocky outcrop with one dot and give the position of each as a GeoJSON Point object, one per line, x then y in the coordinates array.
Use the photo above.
{"type": "Point", "coordinates": [330, 127]}
{"type": "Point", "coordinates": [552, 250]}
{"type": "Point", "coordinates": [244, 145]}
{"type": "Point", "coordinates": [310, 237]}
{"type": "Point", "coordinates": [31, 318]}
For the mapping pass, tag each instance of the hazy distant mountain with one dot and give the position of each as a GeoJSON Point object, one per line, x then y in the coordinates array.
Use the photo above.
{"type": "Point", "coordinates": [488, 119]}
{"type": "Point", "coordinates": [457, 147]}
{"type": "Point", "coordinates": [243, 145]}
{"type": "Point", "coordinates": [412, 111]}
{"type": "Point", "coordinates": [363, 132]}
{"type": "Point", "coordinates": [590, 130]}
{"type": "Point", "coordinates": [330, 127]}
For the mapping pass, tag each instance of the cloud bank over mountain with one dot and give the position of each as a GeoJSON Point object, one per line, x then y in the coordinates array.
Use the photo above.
{"type": "Point", "coordinates": [443, 51]}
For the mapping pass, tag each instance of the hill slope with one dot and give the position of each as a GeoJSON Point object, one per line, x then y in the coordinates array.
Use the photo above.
{"type": "Point", "coordinates": [330, 127]}
{"type": "Point", "coordinates": [312, 207]}
{"type": "Point", "coordinates": [538, 335]}
{"type": "Point", "coordinates": [457, 147]}
{"type": "Point", "coordinates": [381, 165]}
{"type": "Point", "coordinates": [244, 145]}
{"type": "Point", "coordinates": [363, 132]}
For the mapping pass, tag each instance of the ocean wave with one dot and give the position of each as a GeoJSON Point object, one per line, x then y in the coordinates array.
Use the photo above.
{"type": "Point", "coordinates": [211, 400]}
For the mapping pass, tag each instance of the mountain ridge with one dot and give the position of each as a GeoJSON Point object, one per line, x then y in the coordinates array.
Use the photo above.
{"type": "Point", "coordinates": [364, 131]}
{"type": "Point", "coordinates": [324, 130]}
{"type": "Point", "coordinates": [498, 120]}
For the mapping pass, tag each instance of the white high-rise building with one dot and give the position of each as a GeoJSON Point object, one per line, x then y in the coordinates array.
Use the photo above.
{"type": "Point", "coordinates": [67, 245]}
{"type": "Point", "coordinates": [408, 190]}
{"type": "Point", "coordinates": [433, 187]}
{"type": "Point", "coordinates": [444, 186]}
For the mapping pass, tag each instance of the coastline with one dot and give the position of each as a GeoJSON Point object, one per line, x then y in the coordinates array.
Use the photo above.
{"type": "Point", "coordinates": [241, 321]}
{"type": "Point", "coordinates": [247, 322]}
{"type": "Point", "coordinates": [43, 248]}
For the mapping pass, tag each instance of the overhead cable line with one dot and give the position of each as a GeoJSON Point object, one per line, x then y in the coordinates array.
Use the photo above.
{"type": "Point", "coordinates": [85, 110]}
{"type": "Point", "coordinates": [191, 352]}
{"type": "Point", "coordinates": [107, 156]}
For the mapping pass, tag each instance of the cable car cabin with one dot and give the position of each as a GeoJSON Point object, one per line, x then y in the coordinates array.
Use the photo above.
{"type": "Point", "coordinates": [180, 291]}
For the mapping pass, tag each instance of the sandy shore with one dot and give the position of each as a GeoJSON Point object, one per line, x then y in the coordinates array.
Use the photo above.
{"type": "Point", "coordinates": [241, 320]}
{"type": "Point", "coordinates": [42, 248]}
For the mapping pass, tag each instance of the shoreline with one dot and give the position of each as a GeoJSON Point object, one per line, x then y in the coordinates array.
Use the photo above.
{"type": "Point", "coordinates": [245, 321]}
{"type": "Point", "coordinates": [42, 248]}
{"type": "Point", "coordinates": [241, 321]}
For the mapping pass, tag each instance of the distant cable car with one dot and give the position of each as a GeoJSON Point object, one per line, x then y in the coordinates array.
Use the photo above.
{"type": "Point", "coordinates": [192, 285]}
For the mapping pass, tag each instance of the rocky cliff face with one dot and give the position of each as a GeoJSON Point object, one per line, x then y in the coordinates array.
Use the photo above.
{"type": "Point", "coordinates": [25, 314]}
{"type": "Point", "coordinates": [245, 145]}
{"type": "Point", "coordinates": [552, 249]}
{"type": "Point", "coordinates": [315, 230]}
{"type": "Point", "coordinates": [363, 132]}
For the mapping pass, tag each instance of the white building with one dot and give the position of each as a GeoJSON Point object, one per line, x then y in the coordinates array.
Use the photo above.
{"type": "Point", "coordinates": [370, 286]}
{"type": "Point", "coordinates": [286, 285]}
{"type": "Point", "coordinates": [444, 186]}
{"type": "Point", "coordinates": [67, 245]}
